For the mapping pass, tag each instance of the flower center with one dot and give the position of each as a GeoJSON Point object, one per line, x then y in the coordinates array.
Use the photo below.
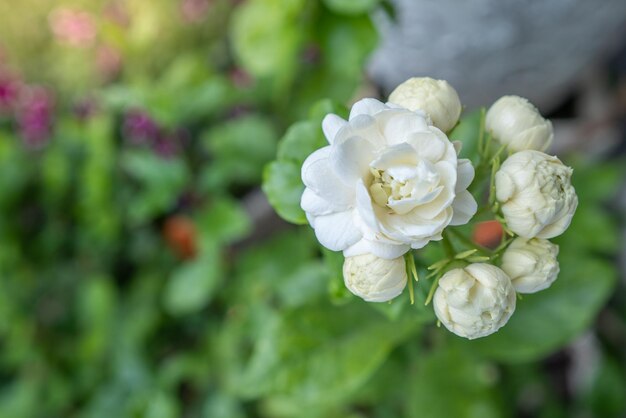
{"type": "Point", "coordinates": [402, 188]}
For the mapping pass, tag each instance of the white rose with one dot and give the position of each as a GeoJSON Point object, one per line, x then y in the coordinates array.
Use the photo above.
{"type": "Point", "coordinates": [537, 197]}
{"type": "Point", "coordinates": [474, 301]}
{"type": "Point", "coordinates": [531, 264]}
{"type": "Point", "coordinates": [516, 123]}
{"type": "Point", "coordinates": [387, 182]}
{"type": "Point", "coordinates": [374, 279]}
{"type": "Point", "coordinates": [437, 98]}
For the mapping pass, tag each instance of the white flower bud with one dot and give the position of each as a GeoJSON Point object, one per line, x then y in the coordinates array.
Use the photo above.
{"type": "Point", "coordinates": [373, 278]}
{"type": "Point", "coordinates": [536, 194]}
{"type": "Point", "coordinates": [531, 264]}
{"type": "Point", "coordinates": [474, 301]}
{"type": "Point", "coordinates": [435, 97]}
{"type": "Point", "coordinates": [516, 123]}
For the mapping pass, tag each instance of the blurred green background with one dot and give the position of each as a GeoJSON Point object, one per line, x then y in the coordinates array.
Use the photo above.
{"type": "Point", "coordinates": [143, 274]}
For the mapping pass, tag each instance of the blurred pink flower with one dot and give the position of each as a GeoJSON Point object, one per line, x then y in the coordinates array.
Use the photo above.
{"type": "Point", "coordinates": [108, 62]}
{"type": "Point", "coordinates": [35, 117]}
{"type": "Point", "coordinates": [116, 12]}
{"type": "Point", "coordinates": [194, 11]}
{"type": "Point", "coordinates": [74, 27]}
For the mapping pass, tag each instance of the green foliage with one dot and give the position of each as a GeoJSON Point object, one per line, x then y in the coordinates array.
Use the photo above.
{"type": "Point", "coordinates": [140, 281]}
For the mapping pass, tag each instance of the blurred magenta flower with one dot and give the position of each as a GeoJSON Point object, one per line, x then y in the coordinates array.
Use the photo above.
{"type": "Point", "coordinates": [34, 117]}
{"type": "Point", "coordinates": [9, 93]}
{"type": "Point", "coordinates": [169, 144]}
{"type": "Point", "coordinates": [85, 108]}
{"type": "Point", "coordinates": [73, 27]}
{"type": "Point", "coordinates": [240, 78]}
{"type": "Point", "coordinates": [140, 128]}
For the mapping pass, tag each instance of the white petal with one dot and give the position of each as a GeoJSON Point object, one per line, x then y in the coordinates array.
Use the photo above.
{"type": "Point", "coordinates": [464, 207]}
{"type": "Point", "coordinates": [465, 174]}
{"type": "Point", "coordinates": [312, 203]}
{"type": "Point", "coordinates": [351, 158]}
{"type": "Point", "coordinates": [428, 145]}
{"type": "Point", "coordinates": [331, 124]}
{"type": "Point", "coordinates": [379, 249]}
{"type": "Point", "coordinates": [367, 107]}
{"type": "Point", "coordinates": [411, 227]}
{"type": "Point", "coordinates": [399, 127]}
{"type": "Point", "coordinates": [337, 231]}
{"type": "Point", "coordinates": [318, 175]}
{"type": "Point", "coordinates": [400, 154]}
{"type": "Point", "coordinates": [365, 208]}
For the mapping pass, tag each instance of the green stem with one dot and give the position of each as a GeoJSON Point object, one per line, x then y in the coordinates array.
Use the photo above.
{"type": "Point", "coordinates": [447, 246]}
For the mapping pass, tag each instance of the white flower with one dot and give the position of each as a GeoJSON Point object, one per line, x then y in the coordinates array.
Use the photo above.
{"type": "Point", "coordinates": [531, 264]}
{"type": "Point", "coordinates": [516, 123]}
{"type": "Point", "coordinates": [437, 98]}
{"type": "Point", "coordinates": [537, 197]}
{"type": "Point", "coordinates": [474, 301]}
{"type": "Point", "coordinates": [387, 182]}
{"type": "Point", "coordinates": [374, 279]}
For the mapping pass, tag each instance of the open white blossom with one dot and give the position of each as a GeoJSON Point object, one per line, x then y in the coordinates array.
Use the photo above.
{"type": "Point", "coordinates": [531, 264]}
{"type": "Point", "coordinates": [437, 98]}
{"type": "Point", "coordinates": [517, 123]}
{"type": "Point", "coordinates": [374, 279]}
{"type": "Point", "coordinates": [387, 182]}
{"type": "Point", "coordinates": [536, 194]}
{"type": "Point", "coordinates": [474, 301]}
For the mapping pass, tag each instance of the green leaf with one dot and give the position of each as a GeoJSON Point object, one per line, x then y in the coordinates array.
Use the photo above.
{"type": "Point", "coordinates": [351, 7]}
{"type": "Point", "coordinates": [225, 221]}
{"type": "Point", "coordinates": [300, 140]}
{"type": "Point", "coordinates": [322, 355]}
{"type": "Point", "coordinates": [266, 36]}
{"type": "Point", "coordinates": [239, 149]}
{"type": "Point", "coordinates": [346, 43]}
{"type": "Point", "coordinates": [452, 383]}
{"type": "Point", "coordinates": [283, 187]}
{"type": "Point", "coordinates": [467, 132]}
{"type": "Point", "coordinates": [161, 181]}
{"type": "Point", "coordinates": [192, 285]}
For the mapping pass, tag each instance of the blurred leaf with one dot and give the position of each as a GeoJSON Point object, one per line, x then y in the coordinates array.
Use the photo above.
{"type": "Point", "coordinates": [220, 405]}
{"type": "Point", "coordinates": [452, 383]}
{"type": "Point", "coordinates": [161, 182]}
{"type": "Point", "coordinates": [467, 132]}
{"type": "Point", "coordinates": [300, 140]}
{"type": "Point", "coordinates": [266, 36]}
{"type": "Point", "coordinates": [192, 285]}
{"type": "Point", "coordinates": [321, 355]}
{"type": "Point", "coordinates": [225, 221]}
{"type": "Point", "coordinates": [351, 7]}
{"type": "Point", "coordinates": [346, 43]}
{"type": "Point", "coordinates": [239, 148]}
{"type": "Point", "coordinates": [607, 393]}
{"type": "Point", "coordinates": [162, 405]}
{"type": "Point", "coordinates": [283, 187]}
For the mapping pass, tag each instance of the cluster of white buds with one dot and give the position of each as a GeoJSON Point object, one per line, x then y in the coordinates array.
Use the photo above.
{"type": "Point", "coordinates": [390, 181]}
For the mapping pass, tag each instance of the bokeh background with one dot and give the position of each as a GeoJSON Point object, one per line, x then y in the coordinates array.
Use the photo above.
{"type": "Point", "coordinates": [144, 274]}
